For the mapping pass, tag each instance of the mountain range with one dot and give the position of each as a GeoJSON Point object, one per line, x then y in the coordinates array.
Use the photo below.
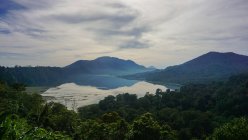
{"type": "Point", "coordinates": [56, 75]}
{"type": "Point", "coordinates": [208, 67]}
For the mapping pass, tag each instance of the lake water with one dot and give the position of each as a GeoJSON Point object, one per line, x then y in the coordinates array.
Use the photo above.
{"type": "Point", "coordinates": [77, 94]}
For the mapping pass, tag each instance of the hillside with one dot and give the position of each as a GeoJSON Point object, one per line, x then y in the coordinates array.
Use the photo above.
{"type": "Point", "coordinates": [208, 67]}
{"type": "Point", "coordinates": [57, 75]}
{"type": "Point", "coordinates": [105, 65]}
{"type": "Point", "coordinates": [32, 75]}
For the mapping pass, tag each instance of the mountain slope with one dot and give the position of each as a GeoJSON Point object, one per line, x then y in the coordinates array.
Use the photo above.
{"type": "Point", "coordinates": [208, 67]}
{"type": "Point", "coordinates": [56, 75]}
{"type": "Point", "coordinates": [105, 65]}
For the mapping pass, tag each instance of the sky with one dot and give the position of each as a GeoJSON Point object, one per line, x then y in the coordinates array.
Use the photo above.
{"type": "Point", "coordinates": [150, 32]}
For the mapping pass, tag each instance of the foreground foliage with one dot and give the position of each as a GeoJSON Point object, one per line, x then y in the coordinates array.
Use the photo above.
{"type": "Point", "coordinates": [216, 111]}
{"type": "Point", "coordinates": [14, 128]}
{"type": "Point", "coordinates": [235, 130]}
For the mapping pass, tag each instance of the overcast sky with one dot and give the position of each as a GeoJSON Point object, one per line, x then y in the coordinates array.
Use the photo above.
{"type": "Point", "coordinates": [150, 32]}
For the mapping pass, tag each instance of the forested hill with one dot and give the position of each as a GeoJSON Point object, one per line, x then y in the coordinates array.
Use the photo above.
{"type": "Point", "coordinates": [106, 65]}
{"type": "Point", "coordinates": [205, 68]}
{"type": "Point", "coordinates": [33, 75]}
{"type": "Point", "coordinates": [216, 111]}
{"type": "Point", "coordinates": [56, 75]}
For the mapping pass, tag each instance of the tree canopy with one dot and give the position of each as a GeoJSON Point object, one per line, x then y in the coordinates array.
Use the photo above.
{"type": "Point", "coordinates": [212, 111]}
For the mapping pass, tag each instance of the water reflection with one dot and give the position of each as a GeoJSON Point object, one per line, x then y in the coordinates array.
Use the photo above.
{"type": "Point", "coordinates": [74, 96]}
{"type": "Point", "coordinates": [102, 81]}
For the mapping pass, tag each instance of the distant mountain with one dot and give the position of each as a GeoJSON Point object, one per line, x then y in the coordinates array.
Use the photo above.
{"type": "Point", "coordinates": [208, 67]}
{"type": "Point", "coordinates": [56, 75]}
{"type": "Point", "coordinates": [152, 68]}
{"type": "Point", "coordinates": [105, 65]}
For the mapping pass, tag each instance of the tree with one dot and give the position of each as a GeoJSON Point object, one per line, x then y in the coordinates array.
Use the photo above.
{"type": "Point", "coordinates": [19, 87]}
{"type": "Point", "coordinates": [108, 103]}
{"type": "Point", "coordinates": [110, 117]}
{"type": "Point", "coordinates": [235, 130]}
{"type": "Point", "coordinates": [146, 128]}
{"type": "Point", "coordinates": [14, 128]}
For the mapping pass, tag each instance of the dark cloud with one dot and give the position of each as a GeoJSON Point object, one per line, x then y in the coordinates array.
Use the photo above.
{"type": "Point", "coordinates": [115, 19]}
{"type": "Point", "coordinates": [121, 16]}
{"type": "Point", "coordinates": [116, 5]}
{"type": "Point", "coordinates": [4, 31]}
{"type": "Point", "coordinates": [7, 5]}
{"type": "Point", "coordinates": [120, 23]}
{"type": "Point", "coordinates": [11, 55]}
{"type": "Point", "coordinates": [15, 46]}
{"type": "Point", "coordinates": [33, 4]}
{"type": "Point", "coordinates": [33, 32]}
{"type": "Point", "coordinates": [134, 44]}
{"type": "Point", "coordinates": [135, 32]}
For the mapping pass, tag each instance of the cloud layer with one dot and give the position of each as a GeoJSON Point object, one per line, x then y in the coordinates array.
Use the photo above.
{"type": "Point", "coordinates": [151, 32]}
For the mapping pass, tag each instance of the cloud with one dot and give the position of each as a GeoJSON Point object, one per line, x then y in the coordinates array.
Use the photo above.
{"type": "Point", "coordinates": [4, 31]}
{"type": "Point", "coordinates": [134, 44]}
{"type": "Point", "coordinates": [134, 32]}
{"type": "Point", "coordinates": [75, 18]}
{"type": "Point", "coordinates": [8, 5]}
{"type": "Point", "coordinates": [159, 30]}
{"type": "Point", "coordinates": [10, 55]}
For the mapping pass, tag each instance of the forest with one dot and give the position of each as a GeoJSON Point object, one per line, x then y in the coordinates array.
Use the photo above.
{"type": "Point", "coordinates": [213, 111]}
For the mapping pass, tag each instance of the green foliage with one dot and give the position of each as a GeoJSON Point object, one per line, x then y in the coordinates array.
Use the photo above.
{"type": "Point", "coordinates": [33, 75]}
{"type": "Point", "coordinates": [13, 128]}
{"type": "Point", "coordinates": [19, 87]}
{"type": "Point", "coordinates": [109, 127]}
{"type": "Point", "coordinates": [193, 112]}
{"type": "Point", "coordinates": [108, 103]}
{"type": "Point", "coordinates": [110, 117]}
{"type": "Point", "coordinates": [197, 111]}
{"type": "Point", "coordinates": [35, 112]}
{"type": "Point", "coordinates": [235, 130]}
{"type": "Point", "coordinates": [146, 128]}
{"type": "Point", "coordinates": [58, 118]}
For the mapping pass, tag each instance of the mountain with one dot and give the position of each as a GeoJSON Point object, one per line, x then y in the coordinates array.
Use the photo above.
{"type": "Point", "coordinates": [205, 68]}
{"type": "Point", "coordinates": [105, 65]}
{"type": "Point", "coordinates": [57, 75]}
{"type": "Point", "coordinates": [152, 67]}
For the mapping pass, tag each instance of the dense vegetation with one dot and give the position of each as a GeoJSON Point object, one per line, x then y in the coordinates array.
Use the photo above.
{"type": "Point", "coordinates": [33, 75]}
{"type": "Point", "coordinates": [212, 111]}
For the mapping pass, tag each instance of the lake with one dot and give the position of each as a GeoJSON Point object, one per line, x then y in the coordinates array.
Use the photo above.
{"type": "Point", "coordinates": [91, 90]}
